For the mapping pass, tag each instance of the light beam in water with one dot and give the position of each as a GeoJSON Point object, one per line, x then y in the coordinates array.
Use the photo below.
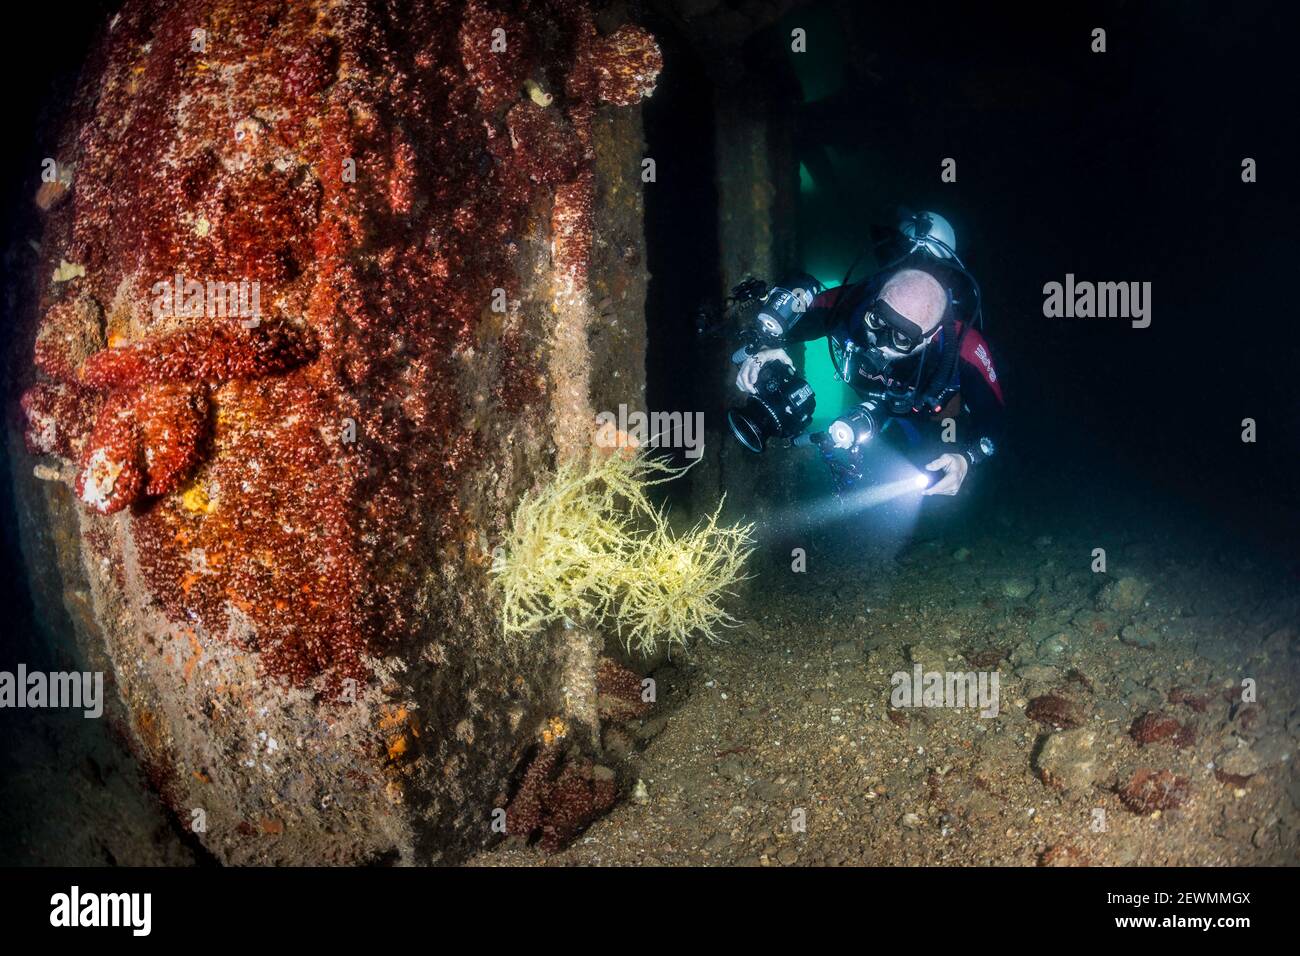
{"type": "Point", "coordinates": [893, 480]}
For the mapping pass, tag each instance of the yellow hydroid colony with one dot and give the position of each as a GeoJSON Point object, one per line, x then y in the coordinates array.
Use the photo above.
{"type": "Point", "coordinates": [590, 548]}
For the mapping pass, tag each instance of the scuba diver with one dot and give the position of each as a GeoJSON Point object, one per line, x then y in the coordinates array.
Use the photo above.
{"type": "Point", "coordinates": [907, 340]}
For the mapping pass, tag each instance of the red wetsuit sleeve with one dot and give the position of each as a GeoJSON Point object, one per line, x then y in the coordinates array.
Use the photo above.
{"type": "Point", "coordinates": [981, 392]}
{"type": "Point", "coordinates": [827, 298]}
{"type": "Point", "coordinates": [975, 353]}
{"type": "Point", "coordinates": [817, 320]}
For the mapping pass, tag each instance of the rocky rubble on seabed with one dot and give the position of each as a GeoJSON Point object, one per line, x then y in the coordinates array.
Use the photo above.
{"type": "Point", "coordinates": [1147, 716]}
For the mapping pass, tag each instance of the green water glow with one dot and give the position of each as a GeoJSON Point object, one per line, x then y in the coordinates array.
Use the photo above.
{"type": "Point", "coordinates": [833, 396]}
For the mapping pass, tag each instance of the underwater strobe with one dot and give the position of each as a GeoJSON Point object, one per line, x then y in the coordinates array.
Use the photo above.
{"type": "Point", "coordinates": [854, 428]}
{"type": "Point", "coordinates": [781, 407]}
{"type": "Point", "coordinates": [782, 308]}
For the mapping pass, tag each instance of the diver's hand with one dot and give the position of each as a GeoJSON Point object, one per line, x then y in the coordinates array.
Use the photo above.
{"type": "Point", "coordinates": [747, 377]}
{"type": "Point", "coordinates": [954, 473]}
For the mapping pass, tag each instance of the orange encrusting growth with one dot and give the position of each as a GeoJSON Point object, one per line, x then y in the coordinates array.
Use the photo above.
{"type": "Point", "coordinates": [370, 166]}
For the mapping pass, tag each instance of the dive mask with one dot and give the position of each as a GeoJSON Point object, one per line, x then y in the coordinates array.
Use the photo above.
{"type": "Point", "coordinates": [885, 326]}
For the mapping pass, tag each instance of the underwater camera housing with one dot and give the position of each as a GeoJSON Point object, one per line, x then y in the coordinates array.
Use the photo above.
{"type": "Point", "coordinates": [781, 407]}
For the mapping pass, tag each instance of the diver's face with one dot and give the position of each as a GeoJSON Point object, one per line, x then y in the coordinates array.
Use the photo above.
{"type": "Point", "coordinates": [895, 335]}
{"type": "Point", "coordinates": [892, 355]}
{"type": "Point", "coordinates": [887, 352]}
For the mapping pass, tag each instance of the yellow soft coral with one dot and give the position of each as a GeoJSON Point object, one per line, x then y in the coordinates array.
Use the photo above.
{"type": "Point", "coordinates": [591, 549]}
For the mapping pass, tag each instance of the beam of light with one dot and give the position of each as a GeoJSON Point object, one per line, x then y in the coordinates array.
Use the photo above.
{"type": "Point", "coordinates": [893, 481]}
{"type": "Point", "coordinates": [859, 499]}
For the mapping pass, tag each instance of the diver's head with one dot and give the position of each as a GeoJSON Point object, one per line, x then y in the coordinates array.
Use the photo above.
{"type": "Point", "coordinates": [906, 314]}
